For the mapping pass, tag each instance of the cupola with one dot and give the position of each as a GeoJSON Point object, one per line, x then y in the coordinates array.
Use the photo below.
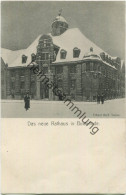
{"type": "Point", "coordinates": [59, 25]}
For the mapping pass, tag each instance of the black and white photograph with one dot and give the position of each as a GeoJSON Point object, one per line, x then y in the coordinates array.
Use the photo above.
{"type": "Point", "coordinates": [63, 98]}
{"type": "Point", "coordinates": [61, 59]}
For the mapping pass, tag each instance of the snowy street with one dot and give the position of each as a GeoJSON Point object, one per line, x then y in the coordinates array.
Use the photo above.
{"type": "Point", "coordinates": [57, 109]}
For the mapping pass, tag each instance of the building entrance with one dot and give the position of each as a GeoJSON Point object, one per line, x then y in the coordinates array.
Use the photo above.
{"type": "Point", "coordinates": [44, 91]}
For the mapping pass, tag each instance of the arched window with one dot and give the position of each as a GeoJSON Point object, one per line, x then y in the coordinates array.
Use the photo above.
{"type": "Point", "coordinates": [33, 57]}
{"type": "Point", "coordinates": [24, 59]}
{"type": "Point", "coordinates": [63, 54]}
{"type": "Point", "coordinates": [76, 52]}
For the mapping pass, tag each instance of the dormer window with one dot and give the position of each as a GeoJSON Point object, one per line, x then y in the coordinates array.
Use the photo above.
{"type": "Point", "coordinates": [33, 57]}
{"type": "Point", "coordinates": [63, 54]}
{"type": "Point", "coordinates": [24, 59]}
{"type": "Point", "coordinates": [76, 52]}
{"type": "Point", "coordinates": [102, 55]}
{"type": "Point", "coordinates": [106, 58]}
{"type": "Point", "coordinates": [91, 49]}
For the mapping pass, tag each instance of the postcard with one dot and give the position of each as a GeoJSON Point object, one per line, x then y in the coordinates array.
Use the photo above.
{"type": "Point", "coordinates": [63, 111]}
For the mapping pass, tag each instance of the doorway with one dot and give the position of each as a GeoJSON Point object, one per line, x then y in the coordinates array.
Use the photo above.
{"type": "Point", "coordinates": [44, 91]}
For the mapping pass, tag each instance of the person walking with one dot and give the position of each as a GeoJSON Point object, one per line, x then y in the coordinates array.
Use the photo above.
{"type": "Point", "coordinates": [98, 99]}
{"type": "Point", "coordinates": [27, 101]}
{"type": "Point", "coordinates": [102, 98]}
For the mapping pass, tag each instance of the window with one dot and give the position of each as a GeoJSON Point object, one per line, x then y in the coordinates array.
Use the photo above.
{"type": "Point", "coordinates": [12, 73]}
{"type": "Point", "coordinates": [33, 57]}
{"type": "Point", "coordinates": [103, 70]}
{"type": "Point", "coordinates": [95, 67]}
{"type": "Point", "coordinates": [60, 83]}
{"type": "Point", "coordinates": [88, 67]}
{"type": "Point", "coordinates": [73, 84]}
{"type": "Point", "coordinates": [83, 67]}
{"type": "Point", "coordinates": [33, 88]}
{"type": "Point", "coordinates": [63, 54]}
{"type": "Point", "coordinates": [59, 70]}
{"type": "Point", "coordinates": [99, 68]}
{"type": "Point", "coordinates": [44, 42]}
{"type": "Point", "coordinates": [102, 55]}
{"type": "Point", "coordinates": [106, 58]}
{"type": "Point", "coordinates": [73, 69]}
{"type": "Point", "coordinates": [12, 85]}
{"type": "Point", "coordinates": [22, 85]}
{"type": "Point", "coordinates": [45, 56]}
{"type": "Point", "coordinates": [21, 72]}
{"type": "Point", "coordinates": [76, 52]}
{"type": "Point", "coordinates": [48, 44]}
{"type": "Point", "coordinates": [24, 59]}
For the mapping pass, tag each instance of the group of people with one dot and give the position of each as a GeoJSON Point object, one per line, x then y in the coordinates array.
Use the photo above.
{"type": "Point", "coordinates": [100, 98]}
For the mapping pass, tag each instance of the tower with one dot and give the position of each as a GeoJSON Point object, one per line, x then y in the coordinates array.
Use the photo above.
{"type": "Point", "coordinates": [59, 25]}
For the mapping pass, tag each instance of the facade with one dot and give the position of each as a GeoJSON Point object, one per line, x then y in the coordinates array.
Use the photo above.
{"type": "Point", "coordinates": [3, 79]}
{"type": "Point", "coordinates": [79, 67]}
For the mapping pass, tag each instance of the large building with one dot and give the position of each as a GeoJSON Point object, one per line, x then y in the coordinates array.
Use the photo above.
{"type": "Point", "coordinates": [79, 67]}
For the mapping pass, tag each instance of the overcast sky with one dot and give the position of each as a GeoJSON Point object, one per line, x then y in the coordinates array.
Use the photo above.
{"type": "Point", "coordinates": [102, 22]}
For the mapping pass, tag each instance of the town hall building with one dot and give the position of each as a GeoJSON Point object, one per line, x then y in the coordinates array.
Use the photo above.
{"type": "Point", "coordinates": [79, 67]}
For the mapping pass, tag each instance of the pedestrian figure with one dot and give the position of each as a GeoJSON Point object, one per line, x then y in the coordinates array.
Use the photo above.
{"type": "Point", "coordinates": [27, 101]}
{"type": "Point", "coordinates": [98, 99]}
{"type": "Point", "coordinates": [102, 98]}
{"type": "Point", "coordinates": [60, 97]}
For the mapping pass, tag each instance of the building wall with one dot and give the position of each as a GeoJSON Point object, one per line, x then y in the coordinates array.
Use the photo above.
{"type": "Point", "coordinates": [19, 82]}
{"type": "Point", "coordinates": [75, 80]}
{"type": "Point", "coordinates": [3, 79]}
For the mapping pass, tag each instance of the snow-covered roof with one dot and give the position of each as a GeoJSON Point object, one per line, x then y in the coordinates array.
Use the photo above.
{"type": "Point", "coordinates": [70, 39]}
{"type": "Point", "coordinates": [9, 56]}
{"type": "Point", "coordinates": [27, 52]}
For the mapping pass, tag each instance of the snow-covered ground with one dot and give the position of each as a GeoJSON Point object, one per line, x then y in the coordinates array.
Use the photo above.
{"type": "Point", "coordinates": [57, 109]}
